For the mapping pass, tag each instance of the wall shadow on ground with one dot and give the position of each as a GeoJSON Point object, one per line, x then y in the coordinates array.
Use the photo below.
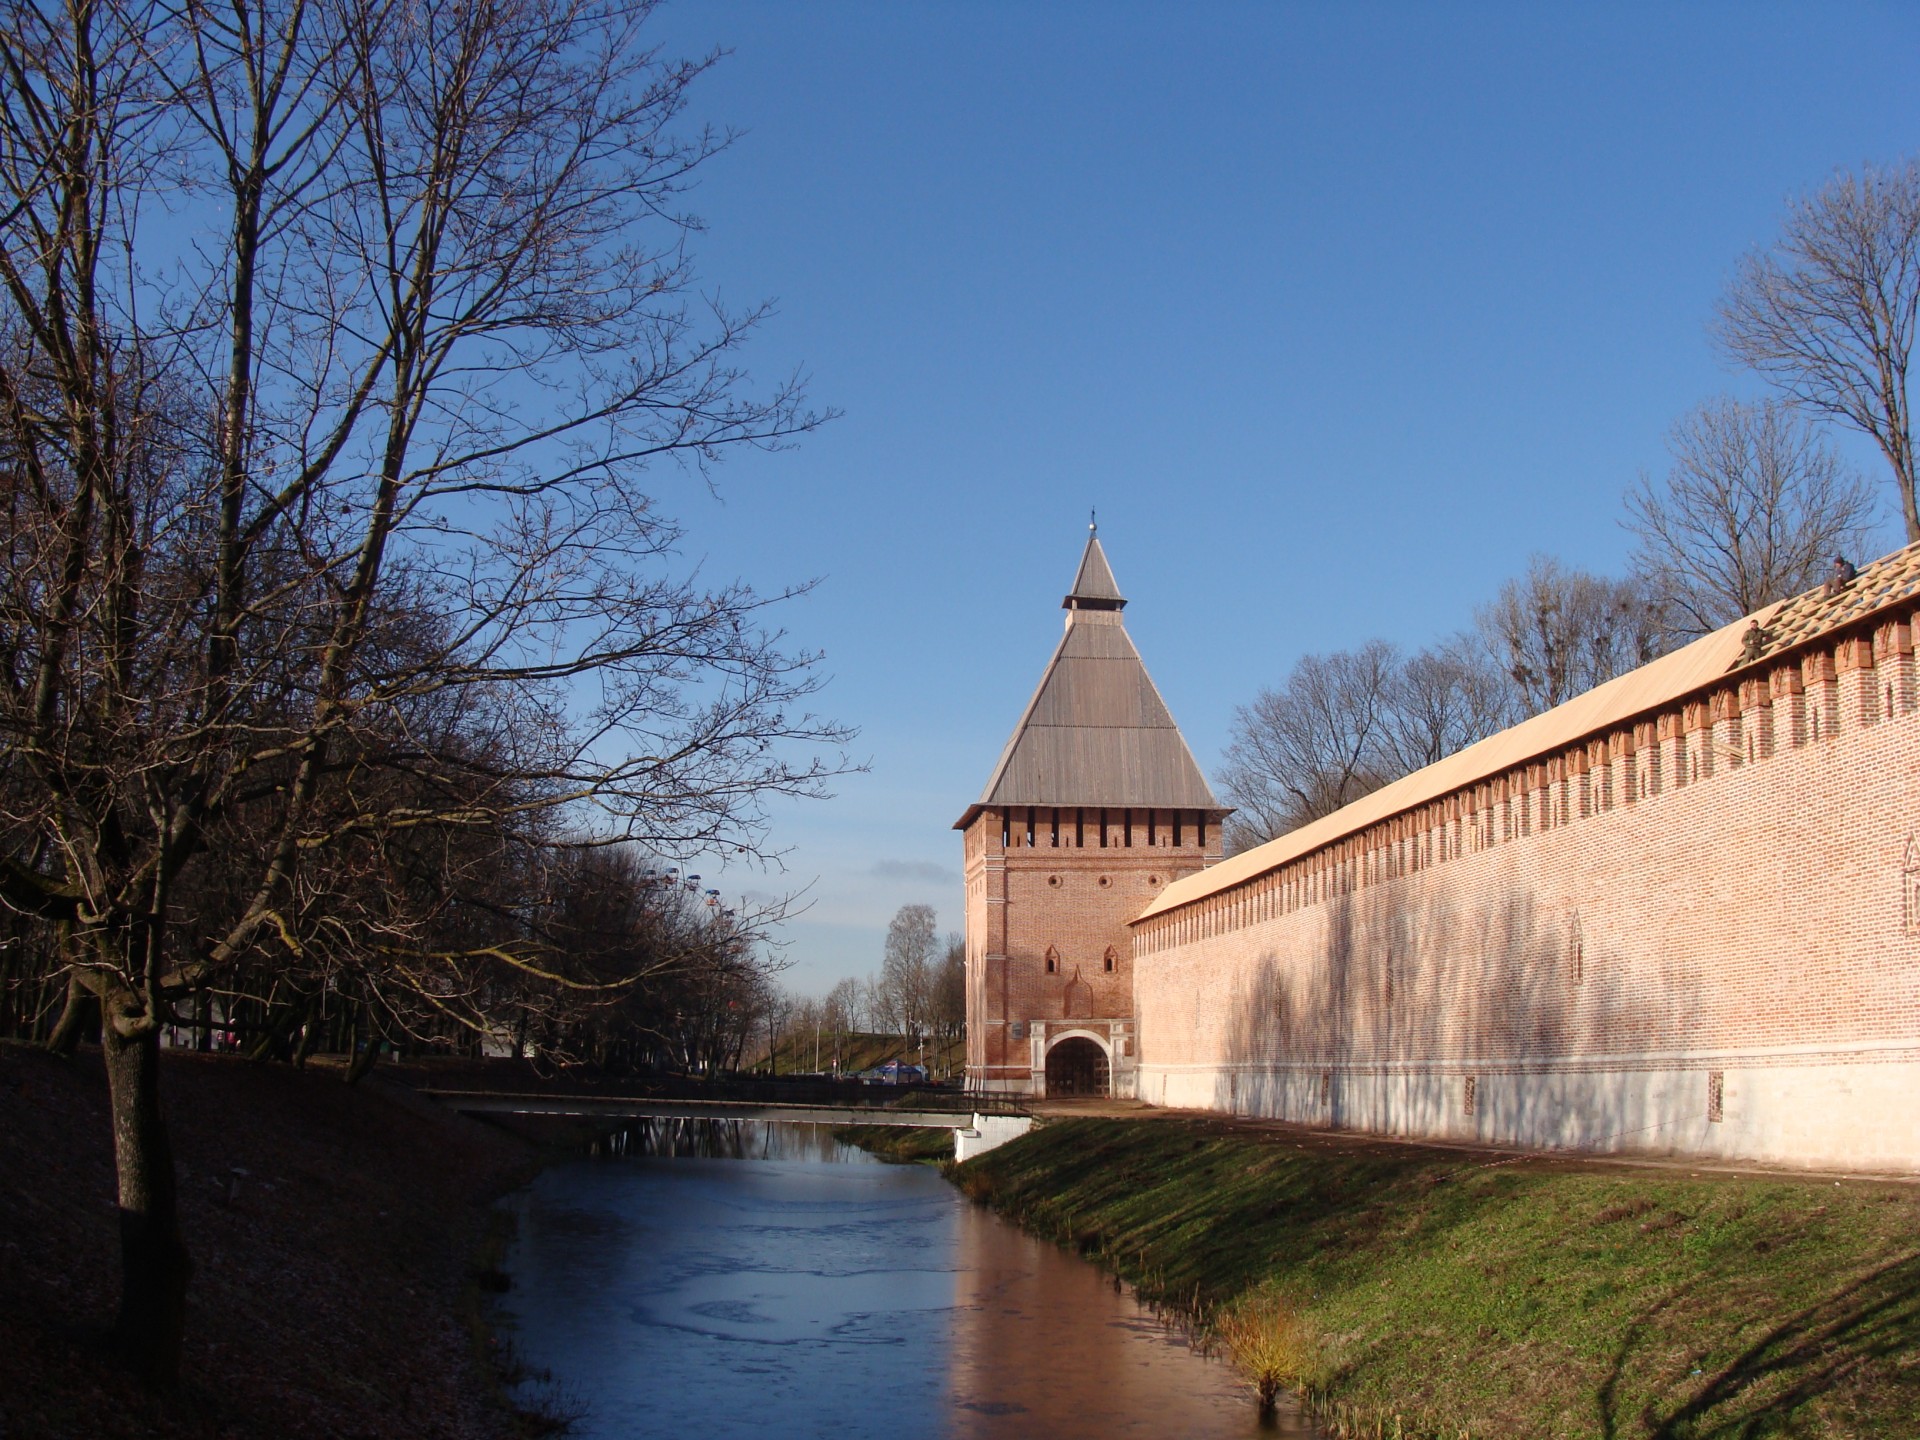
{"type": "Point", "coordinates": [1402, 998]}
{"type": "Point", "coordinates": [1565, 1299]}
{"type": "Point", "coordinates": [1819, 1350]}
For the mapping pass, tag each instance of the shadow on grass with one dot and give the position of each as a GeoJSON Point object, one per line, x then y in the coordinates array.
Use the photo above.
{"type": "Point", "coordinates": [1675, 1307]}
{"type": "Point", "coordinates": [1179, 1210]}
{"type": "Point", "coordinates": [1762, 1390]}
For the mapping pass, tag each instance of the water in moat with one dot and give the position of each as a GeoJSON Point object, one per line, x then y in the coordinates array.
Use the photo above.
{"type": "Point", "coordinates": [768, 1280]}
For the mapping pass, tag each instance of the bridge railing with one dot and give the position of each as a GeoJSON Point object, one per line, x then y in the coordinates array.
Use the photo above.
{"type": "Point", "coordinates": [518, 1078]}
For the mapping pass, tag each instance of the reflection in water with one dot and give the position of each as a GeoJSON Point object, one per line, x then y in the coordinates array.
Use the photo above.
{"type": "Point", "coordinates": [722, 1140]}
{"type": "Point", "coordinates": [817, 1292]}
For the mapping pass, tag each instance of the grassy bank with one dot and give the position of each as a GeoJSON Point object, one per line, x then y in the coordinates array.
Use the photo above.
{"type": "Point", "coordinates": [334, 1233]}
{"type": "Point", "coordinates": [899, 1144]}
{"type": "Point", "coordinates": [1502, 1299]}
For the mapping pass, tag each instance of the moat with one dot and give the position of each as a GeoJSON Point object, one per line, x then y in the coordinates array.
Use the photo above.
{"type": "Point", "coordinates": [767, 1279]}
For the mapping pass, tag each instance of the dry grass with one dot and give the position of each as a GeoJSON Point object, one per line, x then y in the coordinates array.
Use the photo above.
{"type": "Point", "coordinates": [1273, 1346]}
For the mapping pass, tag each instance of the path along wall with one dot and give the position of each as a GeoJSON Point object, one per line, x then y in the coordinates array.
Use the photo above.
{"type": "Point", "coordinates": [1698, 932]}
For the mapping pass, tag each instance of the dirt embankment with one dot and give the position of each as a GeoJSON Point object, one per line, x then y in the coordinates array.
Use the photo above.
{"type": "Point", "coordinates": [333, 1232]}
{"type": "Point", "coordinates": [1449, 1293]}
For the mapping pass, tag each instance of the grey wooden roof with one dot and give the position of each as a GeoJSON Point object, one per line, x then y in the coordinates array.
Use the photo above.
{"type": "Point", "coordinates": [1096, 731]}
{"type": "Point", "coordinates": [1095, 578]}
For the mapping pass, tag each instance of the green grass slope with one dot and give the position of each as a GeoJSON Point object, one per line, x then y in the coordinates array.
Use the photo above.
{"type": "Point", "coordinates": [1502, 1298]}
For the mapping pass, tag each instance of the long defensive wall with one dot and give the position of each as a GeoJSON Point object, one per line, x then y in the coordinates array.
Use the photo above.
{"type": "Point", "coordinates": [1679, 913]}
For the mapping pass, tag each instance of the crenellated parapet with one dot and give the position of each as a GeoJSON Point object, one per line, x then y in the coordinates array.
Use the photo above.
{"type": "Point", "coordinates": [1679, 913]}
{"type": "Point", "coordinates": [1811, 690]}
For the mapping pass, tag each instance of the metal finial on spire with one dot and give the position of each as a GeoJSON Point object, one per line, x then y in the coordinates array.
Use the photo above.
{"type": "Point", "coordinates": [1093, 522]}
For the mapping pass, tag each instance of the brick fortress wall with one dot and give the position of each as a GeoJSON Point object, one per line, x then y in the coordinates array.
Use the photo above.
{"type": "Point", "coordinates": [1699, 932]}
{"type": "Point", "coordinates": [1066, 880]}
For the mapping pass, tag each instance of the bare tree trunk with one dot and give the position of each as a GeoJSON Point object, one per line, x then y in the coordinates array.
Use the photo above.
{"type": "Point", "coordinates": [155, 1266]}
{"type": "Point", "coordinates": [277, 1028]}
{"type": "Point", "coordinates": [361, 1061]}
{"type": "Point", "coordinates": [67, 1030]}
{"type": "Point", "coordinates": [310, 1033]}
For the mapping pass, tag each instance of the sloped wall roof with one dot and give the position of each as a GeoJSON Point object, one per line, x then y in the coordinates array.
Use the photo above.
{"type": "Point", "coordinates": [1786, 625]}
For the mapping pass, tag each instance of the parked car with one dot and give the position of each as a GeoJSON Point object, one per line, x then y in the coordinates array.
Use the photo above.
{"type": "Point", "coordinates": [894, 1072]}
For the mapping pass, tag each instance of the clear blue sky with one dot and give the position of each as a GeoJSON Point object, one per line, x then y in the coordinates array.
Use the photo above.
{"type": "Point", "coordinates": [1336, 312]}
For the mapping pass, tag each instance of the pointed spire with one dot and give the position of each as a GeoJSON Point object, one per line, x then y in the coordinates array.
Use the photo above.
{"type": "Point", "coordinates": [1096, 731]}
{"type": "Point", "coordinates": [1093, 585]}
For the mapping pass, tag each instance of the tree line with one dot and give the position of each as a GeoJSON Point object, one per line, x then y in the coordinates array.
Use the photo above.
{"type": "Point", "coordinates": [918, 997]}
{"type": "Point", "coordinates": [348, 677]}
{"type": "Point", "coordinates": [1756, 505]}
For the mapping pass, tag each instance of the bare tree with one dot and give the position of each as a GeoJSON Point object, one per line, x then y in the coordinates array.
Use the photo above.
{"type": "Point", "coordinates": [949, 1000]}
{"type": "Point", "coordinates": [777, 1013]}
{"type": "Point", "coordinates": [1347, 723]}
{"type": "Point", "coordinates": [845, 1014]}
{"type": "Point", "coordinates": [1442, 700]}
{"type": "Point", "coordinates": [1827, 313]}
{"type": "Point", "coordinates": [1557, 632]}
{"type": "Point", "coordinates": [1313, 745]}
{"type": "Point", "coordinates": [907, 970]}
{"type": "Point", "coordinates": [1753, 510]}
{"type": "Point", "coordinates": [371, 457]}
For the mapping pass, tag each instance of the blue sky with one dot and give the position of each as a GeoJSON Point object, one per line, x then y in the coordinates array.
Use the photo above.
{"type": "Point", "coordinates": [1336, 312]}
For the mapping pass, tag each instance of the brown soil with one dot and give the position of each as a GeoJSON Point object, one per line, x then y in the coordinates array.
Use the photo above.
{"type": "Point", "coordinates": [333, 1231]}
{"type": "Point", "coordinates": [1358, 1142]}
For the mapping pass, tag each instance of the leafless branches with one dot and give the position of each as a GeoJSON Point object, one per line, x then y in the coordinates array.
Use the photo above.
{"type": "Point", "coordinates": [1556, 632]}
{"type": "Point", "coordinates": [1827, 313]}
{"type": "Point", "coordinates": [336, 340]}
{"type": "Point", "coordinates": [1753, 509]}
{"type": "Point", "coordinates": [1346, 723]}
{"type": "Point", "coordinates": [1317, 743]}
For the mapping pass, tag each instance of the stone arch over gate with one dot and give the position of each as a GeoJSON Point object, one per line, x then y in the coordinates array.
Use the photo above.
{"type": "Point", "coordinates": [1079, 1062]}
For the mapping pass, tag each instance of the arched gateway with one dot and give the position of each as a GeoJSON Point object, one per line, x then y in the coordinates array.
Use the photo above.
{"type": "Point", "coordinates": [1078, 1066]}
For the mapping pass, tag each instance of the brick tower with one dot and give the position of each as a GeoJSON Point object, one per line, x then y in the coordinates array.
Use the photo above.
{"type": "Point", "coordinates": [1095, 806]}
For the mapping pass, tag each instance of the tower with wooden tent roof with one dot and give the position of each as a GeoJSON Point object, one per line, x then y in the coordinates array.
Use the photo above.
{"type": "Point", "coordinates": [1095, 806]}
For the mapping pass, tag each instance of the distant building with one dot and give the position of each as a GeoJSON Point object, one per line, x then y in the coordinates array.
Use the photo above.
{"type": "Point", "coordinates": [1095, 807]}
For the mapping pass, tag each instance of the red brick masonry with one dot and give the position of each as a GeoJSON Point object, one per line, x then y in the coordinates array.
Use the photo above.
{"type": "Point", "coordinates": [1696, 932]}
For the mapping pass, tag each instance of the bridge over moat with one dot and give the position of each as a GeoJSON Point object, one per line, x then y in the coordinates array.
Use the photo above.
{"type": "Point", "coordinates": [975, 1132]}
